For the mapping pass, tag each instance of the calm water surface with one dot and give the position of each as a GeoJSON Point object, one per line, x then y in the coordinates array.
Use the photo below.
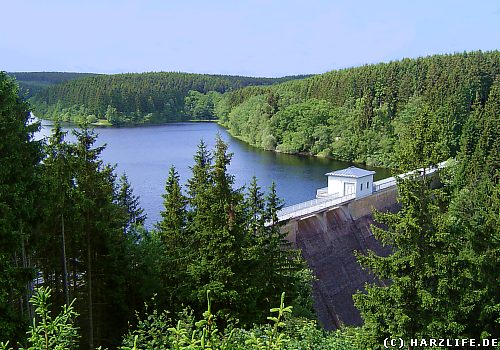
{"type": "Point", "coordinates": [146, 153]}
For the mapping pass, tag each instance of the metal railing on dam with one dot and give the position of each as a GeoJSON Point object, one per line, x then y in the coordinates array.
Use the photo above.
{"type": "Point", "coordinates": [312, 206]}
{"type": "Point", "coordinates": [325, 201]}
{"type": "Point", "coordinates": [383, 184]}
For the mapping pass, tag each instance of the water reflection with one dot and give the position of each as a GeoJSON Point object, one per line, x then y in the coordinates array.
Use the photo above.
{"type": "Point", "coordinates": [146, 153]}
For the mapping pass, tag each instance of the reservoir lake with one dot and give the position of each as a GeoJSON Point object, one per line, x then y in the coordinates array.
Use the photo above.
{"type": "Point", "coordinates": [146, 153]}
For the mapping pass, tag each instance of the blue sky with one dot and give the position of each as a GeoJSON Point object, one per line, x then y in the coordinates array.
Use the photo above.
{"type": "Point", "coordinates": [245, 37]}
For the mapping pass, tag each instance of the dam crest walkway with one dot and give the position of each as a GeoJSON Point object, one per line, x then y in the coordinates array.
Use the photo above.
{"type": "Point", "coordinates": [328, 202]}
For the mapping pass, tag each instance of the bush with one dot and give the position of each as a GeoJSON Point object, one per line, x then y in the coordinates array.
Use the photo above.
{"type": "Point", "coordinates": [157, 331]}
{"type": "Point", "coordinates": [56, 333]}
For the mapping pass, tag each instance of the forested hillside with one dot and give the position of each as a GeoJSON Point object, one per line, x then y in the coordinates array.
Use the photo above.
{"type": "Point", "coordinates": [360, 114]}
{"type": "Point", "coordinates": [140, 98]}
{"type": "Point", "coordinates": [68, 225]}
{"type": "Point", "coordinates": [33, 82]}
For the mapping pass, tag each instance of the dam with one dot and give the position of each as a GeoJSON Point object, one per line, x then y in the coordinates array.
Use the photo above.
{"type": "Point", "coordinates": [331, 228]}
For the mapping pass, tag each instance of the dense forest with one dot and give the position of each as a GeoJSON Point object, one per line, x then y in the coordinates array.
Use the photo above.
{"type": "Point", "coordinates": [32, 82]}
{"type": "Point", "coordinates": [140, 98]}
{"type": "Point", "coordinates": [217, 263]}
{"type": "Point", "coordinates": [69, 224]}
{"type": "Point", "coordinates": [360, 114]}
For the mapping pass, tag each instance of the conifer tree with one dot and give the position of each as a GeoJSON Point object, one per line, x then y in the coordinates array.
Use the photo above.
{"type": "Point", "coordinates": [405, 299]}
{"type": "Point", "coordinates": [408, 276]}
{"type": "Point", "coordinates": [201, 180]}
{"type": "Point", "coordinates": [216, 224]}
{"type": "Point", "coordinates": [473, 219]}
{"type": "Point", "coordinates": [224, 242]}
{"type": "Point", "coordinates": [176, 241]}
{"type": "Point", "coordinates": [487, 151]}
{"type": "Point", "coordinates": [173, 222]}
{"type": "Point", "coordinates": [283, 267]}
{"type": "Point", "coordinates": [255, 205]}
{"type": "Point", "coordinates": [438, 281]}
{"type": "Point", "coordinates": [418, 137]}
{"type": "Point", "coordinates": [20, 156]}
{"type": "Point", "coordinates": [87, 168]}
{"type": "Point", "coordinates": [55, 240]}
{"type": "Point", "coordinates": [130, 203]}
{"type": "Point", "coordinates": [103, 251]}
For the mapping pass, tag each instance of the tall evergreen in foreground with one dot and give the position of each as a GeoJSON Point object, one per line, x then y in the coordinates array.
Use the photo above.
{"type": "Point", "coordinates": [19, 158]}
{"type": "Point", "coordinates": [88, 238]}
{"type": "Point", "coordinates": [218, 230]}
{"type": "Point", "coordinates": [126, 199]}
{"type": "Point", "coordinates": [99, 221]}
{"type": "Point", "coordinates": [442, 279]}
{"type": "Point", "coordinates": [176, 242]}
{"type": "Point", "coordinates": [57, 240]}
{"type": "Point", "coordinates": [219, 239]}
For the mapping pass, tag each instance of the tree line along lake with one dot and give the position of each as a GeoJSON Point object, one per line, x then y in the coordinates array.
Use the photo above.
{"type": "Point", "coordinates": [146, 153]}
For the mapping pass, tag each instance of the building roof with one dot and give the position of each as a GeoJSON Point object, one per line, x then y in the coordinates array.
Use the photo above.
{"type": "Point", "coordinates": [352, 171]}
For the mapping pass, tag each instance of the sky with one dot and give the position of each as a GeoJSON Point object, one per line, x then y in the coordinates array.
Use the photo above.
{"type": "Point", "coordinates": [243, 37]}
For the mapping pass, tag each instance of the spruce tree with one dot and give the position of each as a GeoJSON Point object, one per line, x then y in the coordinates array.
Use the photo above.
{"type": "Point", "coordinates": [201, 179]}
{"type": "Point", "coordinates": [473, 219]}
{"type": "Point", "coordinates": [100, 222]}
{"type": "Point", "coordinates": [217, 239]}
{"type": "Point", "coordinates": [440, 280]}
{"type": "Point", "coordinates": [176, 242]}
{"type": "Point", "coordinates": [216, 226]}
{"type": "Point", "coordinates": [19, 158]}
{"type": "Point", "coordinates": [255, 206]}
{"type": "Point", "coordinates": [172, 226]}
{"type": "Point", "coordinates": [55, 243]}
{"type": "Point", "coordinates": [87, 167]}
{"type": "Point", "coordinates": [130, 203]}
{"type": "Point", "coordinates": [283, 268]}
{"type": "Point", "coordinates": [403, 304]}
{"type": "Point", "coordinates": [408, 281]}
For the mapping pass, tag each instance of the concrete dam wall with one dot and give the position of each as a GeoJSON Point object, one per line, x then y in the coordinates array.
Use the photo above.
{"type": "Point", "coordinates": [328, 240]}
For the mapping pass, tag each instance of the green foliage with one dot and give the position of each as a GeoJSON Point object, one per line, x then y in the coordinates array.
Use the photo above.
{"type": "Point", "coordinates": [139, 98]}
{"type": "Point", "coordinates": [19, 189]}
{"type": "Point", "coordinates": [198, 106]}
{"type": "Point", "coordinates": [364, 114]}
{"type": "Point", "coordinates": [89, 243]}
{"type": "Point", "coordinates": [83, 246]}
{"type": "Point", "coordinates": [418, 138]}
{"type": "Point", "coordinates": [218, 238]}
{"type": "Point", "coordinates": [175, 241]}
{"type": "Point", "coordinates": [440, 281]}
{"type": "Point", "coordinates": [70, 219]}
{"type": "Point", "coordinates": [410, 302]}
{"type": "Point", "coordinates": [52, 333]}
{"type": "Point", "coordinates": [297, 126]}
{"type": "Point", "coordinates": [130, 203]}
{"type": "Point", "coordinates": [47, 332]}
{"type": "Point", "coordinates": [274, 339]}
{"type": "Point", "coordinates": [33, 82]}
{"type": "Point", "coordinates": [158, 331]}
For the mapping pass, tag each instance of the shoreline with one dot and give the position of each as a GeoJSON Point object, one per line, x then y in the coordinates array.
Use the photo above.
{"type": "Point", "coordinates": [129, 125]}
{"type": "Point", "coordinates": [306, 154]}
{"type": "Point", "coordinates": [238, 137]}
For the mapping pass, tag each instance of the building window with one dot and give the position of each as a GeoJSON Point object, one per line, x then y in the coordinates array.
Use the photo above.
{"type": "Point", "coordinates": [361, 187]}
{"type": "Point", "coordinates": [367, 184]}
